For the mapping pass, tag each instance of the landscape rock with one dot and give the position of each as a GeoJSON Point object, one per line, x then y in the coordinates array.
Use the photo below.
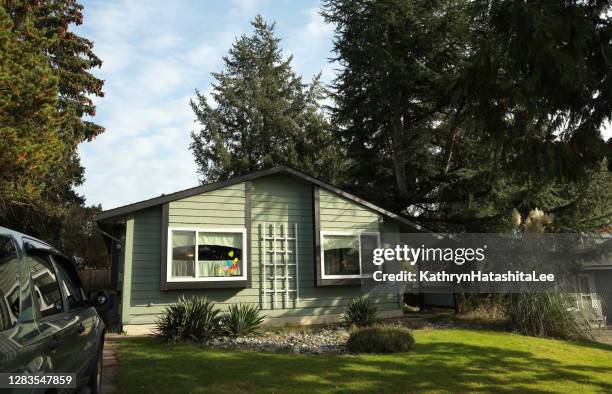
{"type": "Point", "coordinates": [316, 340]}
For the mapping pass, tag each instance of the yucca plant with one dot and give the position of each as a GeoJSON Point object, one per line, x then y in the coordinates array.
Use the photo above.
{"type": "Point", "coordinates": [171, 323]}
{"type": "Point", "coordinates": [193, 318]}
{"type": "Point", "coordinates": [242, 319]}
{"type": "Point", "coordinates": [361, 312]}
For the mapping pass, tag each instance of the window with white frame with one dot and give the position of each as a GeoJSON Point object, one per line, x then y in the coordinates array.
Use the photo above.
{"type": "Point", "coordinates": [206, 254]}
{"type": "Point", "coordinates": [341, 254]}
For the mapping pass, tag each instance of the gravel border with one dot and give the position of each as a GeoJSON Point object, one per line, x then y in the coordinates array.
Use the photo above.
{"type": "Point", "coordinates": [316, 340]}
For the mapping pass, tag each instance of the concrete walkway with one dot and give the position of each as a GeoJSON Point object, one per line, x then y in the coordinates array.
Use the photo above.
{"type": "Point", "coordinates": [110, 368]}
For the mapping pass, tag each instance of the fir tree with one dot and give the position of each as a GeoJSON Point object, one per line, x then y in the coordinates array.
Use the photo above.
{"type": "Point", "coordinates": [71, 58]}
{"type": "Point", "coordinates": [45, 92]}
{"type": "Point", "coordinates": [456, 112]}
{"type": "Point", "coordinates": [263, 114]}
{"type": "Point", "coordinates": [30, 146]}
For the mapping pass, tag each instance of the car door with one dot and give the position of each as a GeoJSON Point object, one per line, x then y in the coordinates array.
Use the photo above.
{"type": "Point", "coordinates": [11, 351]}
{"type": "Point", "coordinates": [22, 349]}
{"type": "Point", "coordinates": [54, 322]}
{"type": "Point", "coordinates": [83, 317]}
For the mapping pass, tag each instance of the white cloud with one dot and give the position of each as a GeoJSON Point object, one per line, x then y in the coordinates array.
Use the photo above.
{"type": "Point", "coordinates": [245, 7]}
{"type": "Point", "coordinates": [317, 28]}
{"type": "Point", "coordinates": [310, 45]}
{"type": "Point", "coordinates": [203, 55]}
{"type": "Point", "coordinates": [160, 76]}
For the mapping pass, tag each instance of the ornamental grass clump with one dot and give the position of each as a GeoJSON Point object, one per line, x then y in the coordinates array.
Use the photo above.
{"type": "Point", "coordinates": [380, 339]}
{"type": "Point", "coordinates": [544, 314]}
{"type": "Point", "coordinates": [242, 319]}
{"type": "Point", "coordinates": [360, 312]}
{"type": "Point", "coordinates": [547, 315]}
{"type": "Point", "coordinates": [194, 319]}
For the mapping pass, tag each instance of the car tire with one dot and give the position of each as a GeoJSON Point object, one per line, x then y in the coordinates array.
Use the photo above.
{"type": "Point", "coordinates": [95, 379]}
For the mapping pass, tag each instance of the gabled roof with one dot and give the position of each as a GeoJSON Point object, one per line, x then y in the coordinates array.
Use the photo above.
{"type": "Point", "coordinates": [126, 209]}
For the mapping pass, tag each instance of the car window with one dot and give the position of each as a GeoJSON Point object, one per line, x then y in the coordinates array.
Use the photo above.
{"type": "Point", "coordinates": [71, 284]}
{"type": "Point", "coordinates": [46, 286]}
{"type": "Point", "coordinates": [9, 284]}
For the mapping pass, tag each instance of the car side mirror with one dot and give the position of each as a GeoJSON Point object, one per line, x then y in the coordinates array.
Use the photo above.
{"type": "Point", "coordinates": [100, 298]}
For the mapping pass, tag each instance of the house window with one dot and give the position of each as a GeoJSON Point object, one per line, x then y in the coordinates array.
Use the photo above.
{"type": "Point", "coordinates": [341, 254]}
{"type": "Point", "coordinates": [207, 254]}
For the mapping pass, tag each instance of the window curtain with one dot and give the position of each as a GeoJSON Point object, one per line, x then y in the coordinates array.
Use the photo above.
{"type": "Point", "coordinates": [220, 268]}
{"type": "Point", "coordinates": [341, 254]}
{"type": "Point", "coordinates": [183, 238]}
{"type": "Point", "coordinates": [340, 242]}
{"type": "Point", "coordinates": [232, 240]}
{"type": "Point", "coordinates": [183, 253]}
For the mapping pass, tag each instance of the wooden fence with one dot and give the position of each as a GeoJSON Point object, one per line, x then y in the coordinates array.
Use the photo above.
{"type": "Point", "coordinates": [95, 279]}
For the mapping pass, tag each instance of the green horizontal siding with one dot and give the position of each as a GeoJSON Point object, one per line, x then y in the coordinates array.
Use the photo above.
{"type": "Point", "coordinates": [343, 215]}
{"type": "Point", "coordinates": [217, 209]}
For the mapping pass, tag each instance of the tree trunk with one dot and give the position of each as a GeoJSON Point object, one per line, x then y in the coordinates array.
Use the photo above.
{"type": "Point", "coordinates": [398, 159]}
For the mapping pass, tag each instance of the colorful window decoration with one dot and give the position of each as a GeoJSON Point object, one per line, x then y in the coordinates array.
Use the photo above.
{"type": "Point", "coordinates": [202, 254]}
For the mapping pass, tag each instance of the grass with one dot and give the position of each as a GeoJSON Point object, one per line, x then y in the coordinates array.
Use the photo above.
{"type": "Point", "coordinates": [442, 360]}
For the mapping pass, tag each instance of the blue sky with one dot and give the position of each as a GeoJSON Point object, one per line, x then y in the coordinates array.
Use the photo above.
{"type": "Point", "coordinates": [155, 54]}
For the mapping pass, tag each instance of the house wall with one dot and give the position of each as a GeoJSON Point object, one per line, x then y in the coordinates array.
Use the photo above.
{"type": "Point", "coordinates": [274, 200]}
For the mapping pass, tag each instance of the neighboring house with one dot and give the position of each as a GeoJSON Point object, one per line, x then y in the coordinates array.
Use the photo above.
{"type": "Point", "coordinates": [277, 238]}
{"type": "Point", "coordinates": [594, 292]}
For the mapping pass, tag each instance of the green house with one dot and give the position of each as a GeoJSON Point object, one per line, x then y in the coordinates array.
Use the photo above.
{"type": "Point", "coordinates": [277, 238]}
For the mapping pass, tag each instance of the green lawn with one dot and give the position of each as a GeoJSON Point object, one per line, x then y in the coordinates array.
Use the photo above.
{"type": "Point", "coordinates": [444, 360]}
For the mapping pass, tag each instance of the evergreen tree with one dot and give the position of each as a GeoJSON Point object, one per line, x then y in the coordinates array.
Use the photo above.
{"type": "Point", "coordinates": [456, 112]}
{"type": "Point", "coordinates": [263, 115]}
{"type": "Point", "coordinates": [30, 146]}
{"type": "Point", "coordinates": [45, 91]}
{"type": "Point", "coordinates": [71, 58]}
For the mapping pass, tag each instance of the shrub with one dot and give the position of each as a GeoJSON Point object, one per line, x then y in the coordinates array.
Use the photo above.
{"type": "Point", "coordinates": [546, 315]}
{"type": "Point", "coordinates": [360, 312]}
{"type": "Point", "coordinates": [380, 340]}
{"type": "Point", "coordinates": [195, 319]}
{"type": "Point", "coordinates": [486, 307]}
{"type": "Point", "coordinates": [242, 319]}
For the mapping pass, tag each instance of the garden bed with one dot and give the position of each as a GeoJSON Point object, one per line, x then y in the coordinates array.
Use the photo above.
{"type": "Point", "coordinates": [322, 339]}
{"type": "Point", "coordinates": [315, 340]}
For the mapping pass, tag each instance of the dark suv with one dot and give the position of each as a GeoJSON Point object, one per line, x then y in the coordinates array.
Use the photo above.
{"type": "Point", "coordinates": [47, 322]}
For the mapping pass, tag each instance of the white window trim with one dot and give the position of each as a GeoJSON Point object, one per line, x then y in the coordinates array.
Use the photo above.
{"type": "Point", "coordinates": [170, 278]}
{"type": "Point", "coordinates": [358, 234]}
